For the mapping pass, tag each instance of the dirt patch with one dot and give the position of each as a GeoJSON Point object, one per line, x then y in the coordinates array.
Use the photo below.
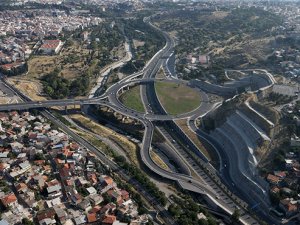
{"type": "Point", "coordinates": [219, 14]}
{"type": "Point", "coordinates": [32, 89]}
{"type": "Point", "coordinates": [137, 43]}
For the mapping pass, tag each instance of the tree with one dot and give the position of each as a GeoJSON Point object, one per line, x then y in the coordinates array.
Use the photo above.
{"type": "Point", "coordinates": [69, 43]}
{"type": "Point", "coordinates": [150, 222]}
{"type": "Point", "coordinates": [39, 156]}
{"type": "Point", "coordinates": [37, 196]}
{"type": "Point", "coordinates": [6, 189]}
{"type": "Point", "coordinates": [235, 217]}
{"type": "Point", "coordinates": [202, 222]}
{"type": "Point", "coordinates": [106, 198]}
{"type": "Point", "coordinates": [80, 85]}
{"type": "Point", "coordinates": [120, 159]}
{"type": "Point", "coordinates": [142, 210]}
{"type": "Point", "coordinates": [174, 210]}
{"type": "Point", "coordinates": [26, 221]}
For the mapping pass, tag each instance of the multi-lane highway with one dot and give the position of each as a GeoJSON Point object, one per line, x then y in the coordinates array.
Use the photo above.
{"type": "Point", "coordinates": [204, 184]}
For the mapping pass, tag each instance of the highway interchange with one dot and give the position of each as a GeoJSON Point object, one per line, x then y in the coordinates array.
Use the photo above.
{"type": "Point", "coordinates": [207, 182]}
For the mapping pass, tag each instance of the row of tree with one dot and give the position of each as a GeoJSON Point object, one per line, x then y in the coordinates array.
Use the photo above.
{"type": "Point", "coordinates": [143, 179]}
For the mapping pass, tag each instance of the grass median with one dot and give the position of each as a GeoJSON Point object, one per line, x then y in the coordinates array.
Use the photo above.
{"type": "Point", "coordinates": [132, 99]}
{"type": "Point", "coordinates": [177, 98]}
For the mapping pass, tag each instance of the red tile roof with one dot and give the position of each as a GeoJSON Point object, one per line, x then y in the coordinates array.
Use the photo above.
{"type": "Point", "coordinates": [21, 186]}
{"type": "Point", "coordinates": [92, 217]}
{"type": "Point", "coordinates": [273, 179]}
{"type": "Point", "coordinates": [275, 190]}
{"type": "Point", "coordinates": [93, 178]}
{"type": "Point", "coordinates": [108, 180]}
{"type": "Point", "coordinates": [2, 167]}
{"type": "Point", "coordinates": [50, 44]}
{"type": "Point", "coordinates": [39, 162]}
{"type": "Point", "coordinates": [47, 213]}
{"type": "Point", "coordinates": [11, 65]}
{"type": "Point", "coordinates": [108, 220]}
{"type": "Point", "coordinates": [8, 199]}
{"type": "Point", "coordinates": [125, 194]}
{"type": "Point", "coordinates": [95, 209]}
{"type": "Point", "coordinates": [288, 205]}
{"type": "Point", "coordinates": [291, 207]}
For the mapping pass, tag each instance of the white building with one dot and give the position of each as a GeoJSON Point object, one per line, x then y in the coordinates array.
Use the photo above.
{"type": "Point", "coordinates": [51, 47]}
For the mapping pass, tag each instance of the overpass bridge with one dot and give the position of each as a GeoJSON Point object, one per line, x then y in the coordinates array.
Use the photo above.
{"type": "Point", "coordinates": [208, 187]}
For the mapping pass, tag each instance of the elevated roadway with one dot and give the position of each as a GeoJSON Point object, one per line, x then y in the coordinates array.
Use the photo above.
{"type": "Point", "coordinates": [208, 187]}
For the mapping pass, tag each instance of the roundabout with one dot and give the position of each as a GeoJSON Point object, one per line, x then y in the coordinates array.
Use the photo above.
{"type": "Point", "coordinates": [176, 98]}
{"type": "Point", "coordinates": [199, 104]}
{"type": "Point", "coordinates": [193, 103]}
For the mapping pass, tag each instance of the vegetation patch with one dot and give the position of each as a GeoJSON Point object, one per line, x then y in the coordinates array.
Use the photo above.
{"type": "Point", "coordinates": [123, 142]}
{"type": "Point", "coordinates": [185, 211]}
{"type": "Point", "coordinates": [58, 87]}
{"type": "Point", "coordinates": [158, 160]}
{"type": "Point", "coordinates": [132, 99]}
{"type": "Point", "coordinates": [232, 38]}
{"type": "Point", "coordinates": [144, 42]}
{"type": "Point", "coordinates": [73, 71]}
{"type": "Point", "coordinates": [177, 98]}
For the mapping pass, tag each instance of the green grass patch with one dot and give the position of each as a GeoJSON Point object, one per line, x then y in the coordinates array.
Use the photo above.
{"type": "Point", "coordinates": [177, 98]}
{"type": "Point", "coordinates": [132, 99]}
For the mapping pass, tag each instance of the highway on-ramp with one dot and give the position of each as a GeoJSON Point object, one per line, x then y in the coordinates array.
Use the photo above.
{"type": "Point", "coordinates": [214, 192]}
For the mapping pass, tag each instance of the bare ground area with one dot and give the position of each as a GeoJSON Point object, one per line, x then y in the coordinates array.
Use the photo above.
{"type": "Point", "coordinates": [32, 89]}
{"type": "Point", "coordinates": [137, 43]}
{"type": "Point", "coordinates": [127, 145]}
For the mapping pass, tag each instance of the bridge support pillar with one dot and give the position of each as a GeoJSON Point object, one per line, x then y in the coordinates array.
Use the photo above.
{"type": "Point", "coordinates": [66, 109]}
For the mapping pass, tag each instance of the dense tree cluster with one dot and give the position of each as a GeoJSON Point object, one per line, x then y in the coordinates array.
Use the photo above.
{"type": "Point", "coordinates": [129, 68]}
{"type": "Point", "coordinates": [196, 30]}
{"type": "Point", "coordinates": [104, 38]}
{"type": "Point", "coordinates": [279, 99]}
{"type": "Point", "coordinates": [136, 29]}
{"type": "Point", "coordinates": [235, 216]}
{"type": "Point", "coordinates": [109, 36]}
{"type": "Point", "coordinates": [186, 210]}
{"type": "Point", "coordinates": [58, 87]}
{"type": "Point", "coordinates": [80, 86]}
{"type": "Point", "coordinates": [251, 20]}
{"type": "Point", "coordinates": [203, 32]}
